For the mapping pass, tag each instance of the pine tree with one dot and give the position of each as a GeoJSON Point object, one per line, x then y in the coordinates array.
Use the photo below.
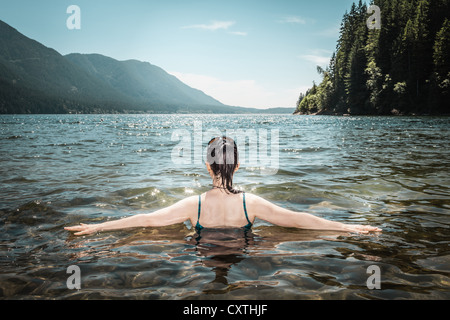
{"type": "Point", "coordinates": [404, 66]}
{"type": "Point", "coordinates": [441, 77]}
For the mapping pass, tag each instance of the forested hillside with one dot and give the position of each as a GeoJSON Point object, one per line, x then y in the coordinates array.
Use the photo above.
{"type": "Point", "coordinates": [401, 68]}
{"type": "Point", "coordinates": [38, 79]}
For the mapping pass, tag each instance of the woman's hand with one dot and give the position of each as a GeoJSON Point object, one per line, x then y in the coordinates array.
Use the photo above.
{"type": "Point", "coordinates": [83, 229]}
{"type": "Point", "coordinates": [360, 228]}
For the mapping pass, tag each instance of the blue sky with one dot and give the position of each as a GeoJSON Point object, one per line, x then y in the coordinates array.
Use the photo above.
{"type": "Point", "coordinates": [250, 53]}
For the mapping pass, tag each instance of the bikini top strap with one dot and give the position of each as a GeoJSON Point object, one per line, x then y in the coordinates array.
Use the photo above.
{"type": "Point", "coordinates": [245, 209]}
{"type": "Point", "coordinates": [199, 206]}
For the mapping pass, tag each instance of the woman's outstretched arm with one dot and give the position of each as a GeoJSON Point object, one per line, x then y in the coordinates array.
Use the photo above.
{"type": "Point", "coordinates": [178, 213]}
{"type": "Point", "coordinates": [274, 214]}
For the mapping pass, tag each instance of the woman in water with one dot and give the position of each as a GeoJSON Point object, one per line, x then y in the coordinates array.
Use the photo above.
{"type": "Point", "coordinates": [222, 206]}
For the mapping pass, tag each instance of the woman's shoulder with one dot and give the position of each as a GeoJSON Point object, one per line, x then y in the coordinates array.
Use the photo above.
{"type": "Point", "coordinates": [188, 203]}
{"type": "Point", "coordinates": [252, 198]}
{"type": "Point", "coordinates": [258, 202]}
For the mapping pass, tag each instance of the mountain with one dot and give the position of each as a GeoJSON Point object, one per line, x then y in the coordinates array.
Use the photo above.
{"type": "Point", "coordinates": [141, 81]}
{"type": "Point", "coordinates": [37, 79]}
{"type": "Point", "coordinates": [37, 75]}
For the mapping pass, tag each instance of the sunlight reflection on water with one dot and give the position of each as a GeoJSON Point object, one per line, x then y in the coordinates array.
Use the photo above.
{"type": "Point", "coordinates": [65, 169]}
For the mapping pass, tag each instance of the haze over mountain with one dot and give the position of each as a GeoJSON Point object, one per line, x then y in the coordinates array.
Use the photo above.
{"type": "Point", "coordinates": [37, 79]}
{"type": "Point", "coordinates": [141, 81]}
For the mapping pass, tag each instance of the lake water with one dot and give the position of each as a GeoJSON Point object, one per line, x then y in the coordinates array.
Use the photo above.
{"type": "Point", "coordinates": [60, 170]}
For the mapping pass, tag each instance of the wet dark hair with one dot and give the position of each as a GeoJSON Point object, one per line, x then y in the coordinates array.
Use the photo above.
{"type": "Point", "coordinates": [223, 157]}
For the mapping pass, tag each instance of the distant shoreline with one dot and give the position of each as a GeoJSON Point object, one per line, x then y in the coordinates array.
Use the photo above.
{"type": "Point", "coordinates": [232, 114]}
{"type": "Point", "coordinates": [336, 114]}
{"type": "Point", "coordinates": [258, 112]}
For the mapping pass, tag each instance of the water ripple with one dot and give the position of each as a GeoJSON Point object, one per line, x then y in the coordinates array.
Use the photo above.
{"type": "Point", "coordinates": [58, 170]}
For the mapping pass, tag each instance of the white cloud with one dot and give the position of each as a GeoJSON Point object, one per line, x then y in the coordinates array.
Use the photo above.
{"type": "Point", "coordinates": [213, 26]}
{"type": "Point", "coordinates": [318, 60]}
{"type": "Point", "coordinates": [238, 33]}
{"type": "Point", "coordinates": [319, 57]}
{"type": "Point", "coordinates": [292, 19]}
{"type": "Point", "coordinates": [242, 93]}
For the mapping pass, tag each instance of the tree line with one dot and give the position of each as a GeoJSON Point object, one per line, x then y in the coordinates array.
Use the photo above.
{"type": "Point", "coordinates": [401, 68]}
